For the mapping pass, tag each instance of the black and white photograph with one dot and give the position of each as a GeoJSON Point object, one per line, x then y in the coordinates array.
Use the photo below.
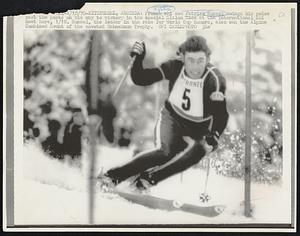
{"type": "Point", "coordinates": [153, 128]}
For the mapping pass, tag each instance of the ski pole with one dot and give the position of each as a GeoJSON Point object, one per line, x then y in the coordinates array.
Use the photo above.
{"type": "Point", "coordinates": [124, 77]}
{"type": "Point", "coordinates": [207, 174]}
{"type": "Point", "coordinates": [203, 196]}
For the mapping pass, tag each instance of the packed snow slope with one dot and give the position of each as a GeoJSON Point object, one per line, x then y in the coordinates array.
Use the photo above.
{"type": "Point", "coordinates": [49, 191]}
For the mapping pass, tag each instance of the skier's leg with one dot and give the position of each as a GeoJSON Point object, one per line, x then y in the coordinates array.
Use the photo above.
{"type": "Point", "coordinates": [189, 157]}
{"type": "Point", "coordinates": [168, 141]}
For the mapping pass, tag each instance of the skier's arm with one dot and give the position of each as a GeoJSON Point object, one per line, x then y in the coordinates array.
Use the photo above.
{"type": "Point", "coordinates": [219, 110]}
{"type": "Point", "coordinates": [144, 76]}
{"type": "Point", "coordinates": [140, 75]}
{"type": "Point", "coordinates": [220, 116]}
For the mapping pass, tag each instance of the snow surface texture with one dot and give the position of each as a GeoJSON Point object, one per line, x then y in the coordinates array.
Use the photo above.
{"type": "Point", "coordinates": [49, 191]}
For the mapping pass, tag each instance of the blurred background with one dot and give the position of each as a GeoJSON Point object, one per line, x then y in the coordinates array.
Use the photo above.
{"type": "Point", "coordinates": [55, 101]}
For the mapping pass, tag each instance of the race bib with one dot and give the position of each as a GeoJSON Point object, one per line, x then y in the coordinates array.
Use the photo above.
{"type": "Point", "coordinates": [186, 97]}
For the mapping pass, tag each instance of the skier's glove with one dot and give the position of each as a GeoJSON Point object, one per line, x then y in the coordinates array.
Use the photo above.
{"type": "Point", "coordinates": [212, 139]}
{"type": "Point", "coordinates": [139, 50]}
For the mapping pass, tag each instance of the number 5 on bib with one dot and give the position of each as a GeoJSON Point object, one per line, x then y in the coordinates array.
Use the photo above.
{"type": "Point", "coordinates": [186, 104]}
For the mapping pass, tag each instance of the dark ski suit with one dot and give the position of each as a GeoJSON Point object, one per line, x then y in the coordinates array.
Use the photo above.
{"type": "Point", "coordinates": [188, 111]}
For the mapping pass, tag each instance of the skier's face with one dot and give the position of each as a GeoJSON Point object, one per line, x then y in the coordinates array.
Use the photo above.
{"type": "Point", "coordinates": [195, 63]}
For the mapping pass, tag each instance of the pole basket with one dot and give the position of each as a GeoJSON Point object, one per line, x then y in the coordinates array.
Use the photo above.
{"type": "Point", "coordinates": [204, 197]}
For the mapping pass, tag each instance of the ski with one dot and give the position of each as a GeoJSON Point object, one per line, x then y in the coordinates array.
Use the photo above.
{"type": "Point", "coordinates": [169, 205]}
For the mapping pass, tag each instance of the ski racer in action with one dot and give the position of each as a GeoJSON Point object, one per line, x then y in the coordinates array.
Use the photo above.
{"type": "Point", "coordinates": [190, 122]}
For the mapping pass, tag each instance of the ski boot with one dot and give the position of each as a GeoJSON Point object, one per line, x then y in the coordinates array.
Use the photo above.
{"type": "Point", "coordinates": [106, 183]}
{"type": "Point", "coordinates": [143, 183]}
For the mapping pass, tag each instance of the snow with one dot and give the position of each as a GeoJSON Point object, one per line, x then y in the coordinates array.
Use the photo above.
{"type": "Point", "coordinates": [49, 191]}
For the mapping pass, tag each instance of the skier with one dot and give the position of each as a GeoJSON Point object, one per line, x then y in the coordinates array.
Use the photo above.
{"type": "Point", "coordinates": [191, 121]}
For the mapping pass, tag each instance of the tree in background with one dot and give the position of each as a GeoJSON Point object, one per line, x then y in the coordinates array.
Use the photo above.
{"type": "Point", "coordinates": [53, 75]}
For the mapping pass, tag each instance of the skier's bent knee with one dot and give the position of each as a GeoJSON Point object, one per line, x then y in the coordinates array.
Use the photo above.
{"type": "Point", "coordinates": [165, 149]}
